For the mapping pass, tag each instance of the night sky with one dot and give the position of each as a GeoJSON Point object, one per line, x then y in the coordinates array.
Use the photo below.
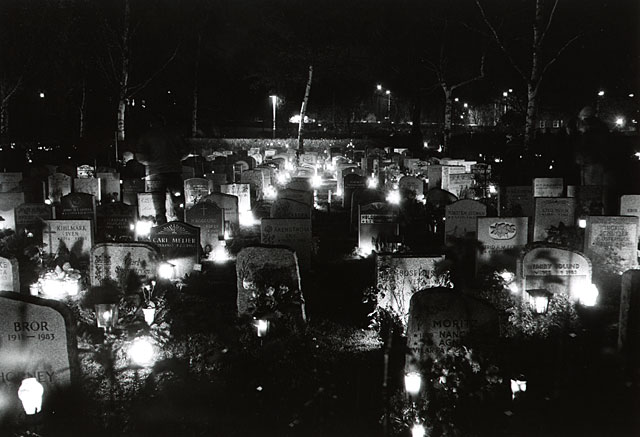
{"type": "Point", "coordinates": [250, 49]}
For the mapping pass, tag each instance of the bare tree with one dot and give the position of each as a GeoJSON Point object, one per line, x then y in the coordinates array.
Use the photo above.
{"type": "Point", "coordinates": [533, 73]}
{"type": "Point", "coordinates": [117, 67]}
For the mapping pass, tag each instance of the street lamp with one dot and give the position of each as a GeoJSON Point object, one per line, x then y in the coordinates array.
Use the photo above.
{"type": "Point", "coordinates": [379, 87]}
{"type": "Point", "coordinates": [274, 101]}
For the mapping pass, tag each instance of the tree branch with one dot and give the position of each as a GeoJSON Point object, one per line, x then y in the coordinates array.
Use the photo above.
{"type": "Point", "coordinates": [6, 97]}
{"type": "Point", "coordinates": [555, 58]}
{"type": "Point", "coordinates": [498, 40]}
{"type": "Point", "coordinates": [473, 79]}
{"type": "Point", "coordinates": [134, 89]}
{"type": "Point", "coordinates": [546, 29]}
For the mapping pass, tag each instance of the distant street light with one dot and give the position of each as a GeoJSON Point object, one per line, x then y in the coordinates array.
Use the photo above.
{"type": "Point", "coordinates": [389, 104]}
{"type": "Point", "coordinates": [41, 95]}
{"type": "Point", "coordinates": [274, 101]}
{"type": "Point", "coordinates": [466, 105]}
{"type": "Point", "coordinates": [379, 87]}
{"type": "Point", "coordinates": [600, 93]}
{"type": "Point", "coordinates": [631, 95]}
{"type": "Point", "coordinates": [505, 94]}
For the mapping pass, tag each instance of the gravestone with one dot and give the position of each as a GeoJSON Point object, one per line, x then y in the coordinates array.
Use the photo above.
{"type": "Point", "coordinates": [74, 236]}
{"type": "Point", "coordinates": [342, 170]}
{"type": "Point", "coordinates": [216, 179]}
{"type": "Point", "coordinates": [301, 196]}
{"type": "Point", "coordinates": [411, 184]}
{"type": "Point", "coordinates": [77, 206]}
{"type": "Point", "coordinates": [147, 203]}
{"type": "Point", "coordinates": [502, 238]}
{"type": "Point", "coordinates": [351, 183]}
{"type": "Point", "coordinates": [516, 201]}
{"type": "Point", "coordinates": [555, 269]}
{"type": "Point", "coordinates": [109, 261]}
{"type": "Point", "coordinates": [179, 244]}
{"type": "Point", "coordinates": [29, 218]}
{"type": "Point", "coordinates": [460, 218]}
{"type": "Point", "coordinates": [255, 179]}
{"type": "Point", "coordinates": [400, 276]}
{"type": "Point", "coordinates": [460, 184]}
{"type": "Point", "coordinates": [286, 208]}
{"type": "Point", "coordinates": [438, 175]}
{"type": "Point", "coordinates": [360, 197]}
{"type": "Point", "coordinates": [8, 203]}
{"type": "Point", "coordinates": [292, 233]}
{"type": "Point", "coordinates": [550, 212]}
{"type": "Point", "coordinates": [209, 217]}
{"type": "Point", "coordinates": [10, 182]}
{"type": "Point", "coordinates": [38, 341]}
{"type": "Point", "coordinates": [611, 242]}
{"type": "Point", "coordinates": [89, 186]}
{"type": "Point", "coordinates": [300, 183]}
{"type": "Point", "coordinates": [86, 171]}
{"type": "Point", "coordinates": [229, 204]}
{"type": "Point", "coordinates": [377, 224]}
{"type": "Point", "coordinates": [110, 186]}
{"type": "Point", "coordinates": [630, 205]}
{"type": "Point", "coordinates": [59, 185]}
{"type": "Point", "coordinates": [441, 319]}
{"type": "Point", "coordinates": [116, 222]}
{"type": "Point", "coordinates": [34, 190]}
{"type": "Point", "coordinates": [439, 198]}
{"type": "Point", "coordinates": [9, 275]}
{"type": "Point", "coordinates": [629, 318]}
{"type": "Point", "coordinates": [130, 190]}
{"type": "Point", "coordinates": [194, 190]}
{"type": "Point", "coordinates": [548, 187]}
{"type": "Point", "coordinates": [258, 268]}
{"type": "Point", "coordinates": [242, 192]}
{"type": "Point", "coordinates": [590, 199]}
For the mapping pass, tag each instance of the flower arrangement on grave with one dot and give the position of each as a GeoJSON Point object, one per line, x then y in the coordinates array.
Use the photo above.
{"type": "Point", "coordinates": [59, 282]}
{"type": "Point", "coordinates": [460, 388]}
{"type": "Point", "coordinates": [566, 236]}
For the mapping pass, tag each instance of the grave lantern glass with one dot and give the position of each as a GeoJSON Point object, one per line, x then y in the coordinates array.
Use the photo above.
{"type": "Point", "coordinates": [149, 315]}
{"type": "Point", "coordinates": [412, 383]}
{"type": "Point", "coordinates": [418, 430]}
{"type": "Point", "coordinates": [262, 326]}
{"type": "Point", "coordinates": [588, 295]}
{"type": "Point", "coordinates": [30, 394]}
{"type": "Point", "coordinates": [166, 270]}
{"type": "Point", "coordinates": [518, 386]}
{"type": "Point", "coordinates": [539, 300]}
{"type": "Point", "coordinates": [141, 352]}
{"type": "Point", "coordinates": [107, 315]}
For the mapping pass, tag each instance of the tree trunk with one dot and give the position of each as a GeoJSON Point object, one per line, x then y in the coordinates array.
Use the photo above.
{"type": "Point", "coordinates": [530, 120]}
{"type": "Point", "coordinates": [303, 111]}
{"type": "Point", "coordinates": [82, 109]}
{"type": "Point", "coordinates": [4, 119]}
{"type": "Point", "coordinates": [416, 116]}
{"type": "Point", "coordinates": [448, 117]}
{"type": "Point", "coordinates": [194, 108]}
{"type": "Point", "coordinates": [534, 78]}
{"type": "Point", "coordinates": [124, 72]}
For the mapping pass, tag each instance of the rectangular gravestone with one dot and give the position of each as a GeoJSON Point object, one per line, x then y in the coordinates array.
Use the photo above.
{"type": "Point", "coordinates": [130, 190]}
{"type": "Point", "coordinates": [286, 208]}
{"type": "Point", "coordinates": [516, 201]}
{"type": "Point", "coordinates": [38, 341]}
{"type": "Point", "coordinates": [9, 275]}
{"type": "Point", "coordinates": [260, 268]}
{"type": "Point", "coordinates": [29, 218]}
{"type": "Point", "coordinates": [217, 179]}
{"type": "Point", "coordinates": [590, 199]}
{"type": "Point", "coordinates": [377, 225]}
{"type": "Point", "coordinates": [195, 189]}
{"type": "Point", "coordinates": [209, 217]}
{"type": "Point", "coordinates": [460, 218]}
{"type": "Point", "coordinates": [293, 233]}
{"type": "Point", "coordinates": [59, 185]}
{"type": "Point", "coordinates": [351, 183]}
{"type": "Point", "coordinates": [8, 203]}
{"type": "Point", "coordinates": [110, 186]}
{"type": "Point", "coordinates": [550, 212]}
{"type": "Point", "coordinates": [441, 319]}
{"type": "Point", "coordinates": [179, 244]}
{"type": "Point", "coordinates": [242, 192]}
{"type": "Point", "coordinates": [89, 186]}
{"type": "Point", "coordinates": [147, 205]}
{"type": "Point", "coordinates": [75, 236]}
{"type": "Point", "coordinates": [400, 276]}
{"type": "Point", "coordinates": [108, 260]}
{"type": "Point", "coordinates": [630, 205]}
{"type": "Point", "coordinates": [412, 184]}
{"type": "Point", "coordinates": [255, 179]}
{"type": "Point", "coordinates": [34, 190]}
{"type": "Point", "coordinates": [301, 196]}
{"type": "Point", "coordinates": [116, 221]}
{"type": "Point", "coordinates": [77, 206]}
{"type": "Point", "coordinates": [229, 204]}
{"type": "Point", "coordinates": [460, 184]}
{"type": "Point", "coordinates": [611, 242]}
{"type": "Point", "coordinates": [10, 182]}
{"type": "Point", "coordinates": [548, 187]}
{"type": "Point", "coordinates": [86, 171]}
{"type": "Point", "coordinates": [554, 269]}
{"type": "Point", "coordinates": [342, 171]}
{"type": "Point", "coordinates": [502, 238]}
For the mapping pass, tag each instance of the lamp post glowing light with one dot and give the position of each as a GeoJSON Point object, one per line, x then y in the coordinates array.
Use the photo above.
{"type": "Point", "coordinates": [30, 394]}
{"type": "Point", "coordinates": [274, 102]}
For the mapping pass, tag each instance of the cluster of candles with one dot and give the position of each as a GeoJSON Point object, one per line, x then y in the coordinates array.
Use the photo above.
{"type": "Point", "coordinates": [62, 282]}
